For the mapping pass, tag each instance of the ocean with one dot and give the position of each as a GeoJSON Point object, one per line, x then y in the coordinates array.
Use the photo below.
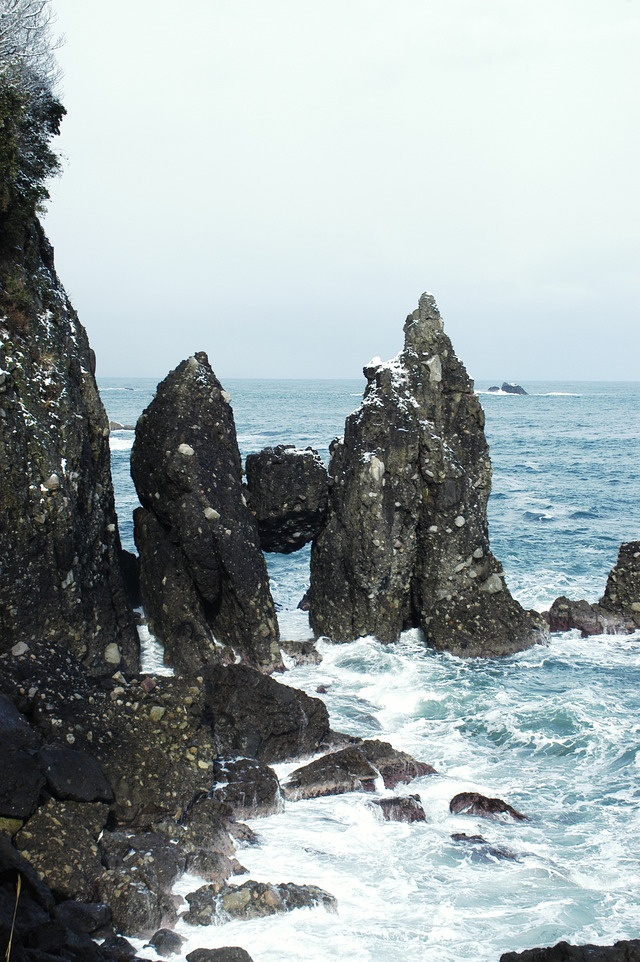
{"type": "Point", "coordinates": [555, 731]}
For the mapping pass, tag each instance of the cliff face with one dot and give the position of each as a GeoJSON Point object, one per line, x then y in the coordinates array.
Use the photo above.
{"type": "Point", "coordinates": [406, 540]}
{"type": "Point", "coordinates": [60, 576]}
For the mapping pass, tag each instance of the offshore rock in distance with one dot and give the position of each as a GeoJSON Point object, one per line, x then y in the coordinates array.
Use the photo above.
{"type": "Point", "coordinates": [60, 577]}
{"type": "Point", "coordinates": [406, 541]}
{"type": "Point", "coordinates": [288, 491]}
{"type": "Point", "coordinates": [187, 471]}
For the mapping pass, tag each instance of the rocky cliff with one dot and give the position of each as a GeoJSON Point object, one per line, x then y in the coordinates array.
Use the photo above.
{"type": "Point", "coordinates": [60, 576]}
{"type": "Point", "coordinates": [406, 540]}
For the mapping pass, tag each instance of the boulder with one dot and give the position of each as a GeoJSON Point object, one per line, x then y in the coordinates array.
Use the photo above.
{"type": "Point", "coordinates": [508, 387]}
{"type": "Point", "coordinates": [213, 904]}
{"type": "Point", "coordinates": [473, 803]}
{"type": "Point", "coordinates": [301, 652]}
{"type": "Point", "coordinates": [22, 782]}
{"type": "Point", "coordinates": [624, 951]}
{"type": "Point", "coordinates": [251, 790]}
{"type": "Point", "coordinates": [253, 715]}
{"type": "Point", "coordinates": [622, 592]}
{"type": "Point", "coordinates": [59, 542]}
{"type": "Point", "coordinates": [232, 953]}
{"type": "Point", "coordinates": [396, 767]}
{"type": "Point", "coordinates": [482, 848]}
{"type": "Point", "coordinates": [288, 491]}
{"type": "Point", "coordinates": [401, 808]}
{"type": "Point", "coordinates": [166, 942]}
{"type": "Point", "coordinates": [187, 471]}
{"type": "Point", "coordinates": [406, 541]}
{"type": "Point", "coordinates": [346, 770]}
{"type": "Point", "coordinates": [74, 775]}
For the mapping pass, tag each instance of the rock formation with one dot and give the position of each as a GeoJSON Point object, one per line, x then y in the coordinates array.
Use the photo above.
{"type": "Point", "coordinates": [617, 612]}
{"type": "Point", "coordinates": [624, 951]}
{"type": "Point", "coordinates": [288, 491]}
{"type": "Point", "coordinates": [203, 576]}
{"type": "Point", "coordinates": [406, 540]}
{"type": "Point", "coordinates": [508, 387]}
{"type": "Point", "coordinates": [60, 575]}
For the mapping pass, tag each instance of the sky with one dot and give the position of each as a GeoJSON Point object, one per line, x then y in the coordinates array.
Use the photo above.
{"type": "Point", "coordinates": [276, 182]}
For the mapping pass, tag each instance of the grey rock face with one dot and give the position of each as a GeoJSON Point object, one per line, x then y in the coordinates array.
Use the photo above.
{"type": "Point", "coordinates": [288, 491]}
{"type": "Point", "coordinates": [186, 468]}
{"type": "Point", "coordinates": [60, 576]}
{"type": "Point", "coordinates": [406, 541]}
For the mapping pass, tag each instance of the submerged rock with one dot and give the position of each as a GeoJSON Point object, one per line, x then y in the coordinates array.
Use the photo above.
{"type": "Point", "coordinates": [401, 808]}
{"type": "Point", "coordinates": [59, 544]}
{"type": "Point", "coordinates": [406, 541]}
{"type": "Point", "coordinates": [201, 535]}
{"type": "Point", "coordinates": [213, 904]}
{"type": "Point", "coordinates": [617, 612]}
{"type": "Point", "coordinates": [288, 491]}
{"type": "Point", "coordinates": [473, 803]}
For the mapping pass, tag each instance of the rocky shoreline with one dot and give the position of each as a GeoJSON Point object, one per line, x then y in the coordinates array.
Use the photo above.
{"type": "Point", "coordinates": [117, 782]}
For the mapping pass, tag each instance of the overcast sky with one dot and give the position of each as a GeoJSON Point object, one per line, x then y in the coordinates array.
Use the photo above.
{"type": "Point", "coordinates": [277, 181]}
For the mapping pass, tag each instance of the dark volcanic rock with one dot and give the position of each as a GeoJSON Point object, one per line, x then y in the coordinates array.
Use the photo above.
{"type": "Point", "coordinates": [484, 848]}
{"type": "Point", "coordinates": [617, 612]}
{"type": "Point", "coordinates": [253, 715]}
{"type": "Point", "coordinates": [75, 776]}
{"type": "Point", "coordinates": [288, 491]}
{"type": "Point", "coordinates": [251, 790]}
{"type": "Point", "coordinates": [302, 652]}
{"type": "Point", "coordinates": [59, 542]}
{"type": "Point", "coordinates": [212, 904]}
{"type": "Point", "coordinates": [563, 952]}
{"type": "Point", "coordinates": [166, 942]}
{"type": "Point", "coordinates": [472, 803]}
{"type": "Point", "coordinates": [396, 767]}
{"type": "Point", "coordinates": [21, 784]}
{"type": "Point", "coordinates": [508, 387]}
{"type": "Point", "coordinates": [187, 471]}
{"type": "Point", "coordinates": [402, 808]}
{"type": "Point", "coordinates": [406, 540]}
{"type": "Point", "coordinates": [231, 953]}
{"type": "Point", "coordinates": [346, 770]}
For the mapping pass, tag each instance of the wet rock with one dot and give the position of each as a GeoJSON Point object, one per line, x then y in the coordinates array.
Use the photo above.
{"type": "Point", "coordinates": [138, 909]}
{"type": "Point", "coordinates": [250, 789]}
{"type": "Point", "coordinates": [86, 917]}
{"type": "Point", "coordinates": [59, 542]}
{"type": "Point", "coordinates": [508, 387]}
{"type": "Point", "coordinates": [187, 470]}
{"type": "Point", "coordinates": [288, 491]}
{"type": "Point", "coordinates": [406, 540]}
{"type": "Point", "coordinates": [231, 953]}
{"type": "Point", "coordinates": [624, 951]}
{"type": "Point", "coordinates": [302, 652]}
{"type": "Point", "coordinates": [396, 767]}
{"type": "Point", "coordinates": [304, 604]}
{"type": "Point", "coordinates": [401, 808]}
{"type": "Point", "coordinates": [212, 904]}
{"type": "Point", "coordinates": [253, 715]}
{"type": "Point", "coordinates": [60, 843]}
{"type": "Point", "coordinates": [484, 847]}
{"type": "Point", "coordinates": [472, 803]}
{"type": "Point", "coordinates": [346, 770]}
{"type": "Point", "coordinates": [22, 782]}
{"type": "Point", "coordinates": [166, 942]}
{"type": "Point", "coordinates": [74, 775]}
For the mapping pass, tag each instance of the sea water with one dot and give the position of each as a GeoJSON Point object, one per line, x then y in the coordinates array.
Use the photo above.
{"type": "Point", "coordinates": [555, 730]}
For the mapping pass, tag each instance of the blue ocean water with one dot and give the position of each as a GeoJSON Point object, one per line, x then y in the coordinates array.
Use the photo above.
{"type": "Point", "coordinates": [554, 730]}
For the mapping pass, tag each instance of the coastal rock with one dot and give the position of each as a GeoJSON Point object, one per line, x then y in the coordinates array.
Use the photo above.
{"type": "Point", "coordinates": [301, 652]}
{"type": "Point", "coordinates": [624, 951]}
{"type": "Point", "coordinates": [346, 770]}
{"type": "Point", "coordinates": [74, 776]}
{"type": "Point", "coordinates": [406, 540]}
{"type": "Point", "coordinates": [22, 782]}
{"type": "Point", "coordinates": [396, 767]}
{"type": "Point", "coordinates": [213, 904]}
{"type": "Point", "coordinates": [473, 803]}
{"type": "Point", "coordinates": [253, 715]}
{"type": "Point", "coordinates": [288, 491]}
{"type": "Point", "coordinates": [166, 942]}
{"type": "Point", "coordinates": [231, 953]}
{"type": "Point", "coordinates": [483, 848]}
{"type": "Point", "coordinates": [59, 542]}
{"type": "Point", "coordinates": [617, 612]}
{"type": "Point", "coordinates": [187, 471]}
{"type": "Point", "coordinates": [401, 808]}
{"type": "Point", "coordinates": [508, 387]}
{"type": "Point", "coordinates": [251, 790]}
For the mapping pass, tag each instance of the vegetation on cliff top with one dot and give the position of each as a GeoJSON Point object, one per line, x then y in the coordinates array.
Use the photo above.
{"type": "Point", "coordinates": [30, 114]}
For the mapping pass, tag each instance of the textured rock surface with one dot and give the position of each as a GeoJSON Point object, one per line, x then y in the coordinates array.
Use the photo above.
{"type": "Point", "coordinates": [60, 577]}
{"type": "Point", "coordinates": [288, 491]}
{"type": "Point", "coordinates": [406, 540]}
{"type": "Point", "coordinates": [254, 715]}
{"type": "Point", "coordinates": [252, 900]}
{"type": "Point", "coordinates": [617, 612]}
{"type": "Point", "coordinates": [563, 952]}
{"type": "Point", "coordinates": [401, 808]}
{"type": "Point", "coordinates": [186, 468]}
{"type": "Point", "coordinates": [346, 770]}
{"type": "Point", "coordinates": [251, 790]}
{"type": "Point", "coordinates": [396, 767]}
{"type": "Point", "coordinates": [473, 803]}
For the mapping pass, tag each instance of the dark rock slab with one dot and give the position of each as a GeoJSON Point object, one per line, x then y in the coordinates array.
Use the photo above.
{"type": "Point", "coordinates": [59, 542]}
{"type": "Point", "coordinates": [231, 953]}
{"type": "Point", "coordinates": [74, 775]}
{"type": "Point", "coordinates": [253, 715]}
{"type": "Point", "coordinates": [187, 470]}
{"type": "Point", "coordinates": [288, 491]}
{"type": "Point", "coordinates": [213, 904]}
{"type": "Point", "coordinates": [250, 789]}
{"type": "Point", "coordinates": [508, 387]}
{"type": "Point", "coordinates": [138, 909]}
{"type": "Point", "coordinates": [302, 652]}
{"type": "Point", "coordinates": [623, 951]}
{"type": "Point", "coordinates": [346, 770]}
{"type": "Point", "coordinates": [21, 784]}
{"type": "Point", "coordinates": [166, 942]}
{"type": "Point", "coordinates": [622, 591]}
{"type": "Point", "coordinates": [396, 767]}
{"type": "Point", "coordinates": [60, 843]}
{"type": "Point", "coordinates": [88, 917]}
{"type": "Point", "coordinates": [484, 847]}
{"type": "Point", "coordinates": [402, 808]}
{"type": "Point", "coordinates": [472, 803]}
{"type": "Point", "coordinates": [406, 540]}
{"type": "Point", "coordinates": [15, 730]}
